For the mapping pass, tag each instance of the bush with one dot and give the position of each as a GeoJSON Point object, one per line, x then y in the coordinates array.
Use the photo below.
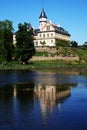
{"type": "Point", "coordinates": [41, 54]}
{"type": "Point", "coordinates": [62, 43]}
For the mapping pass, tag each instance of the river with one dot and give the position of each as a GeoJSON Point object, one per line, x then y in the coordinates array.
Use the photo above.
{"type": "Point", "coordinates": [45, 99]}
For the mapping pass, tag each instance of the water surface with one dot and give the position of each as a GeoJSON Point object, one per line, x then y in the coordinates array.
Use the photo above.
{"type": "Point", "coordinates": [50, 99]}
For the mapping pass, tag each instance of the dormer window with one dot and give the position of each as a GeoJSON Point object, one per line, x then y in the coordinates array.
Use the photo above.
{"type": "Point", "coordinates": [48, 28]}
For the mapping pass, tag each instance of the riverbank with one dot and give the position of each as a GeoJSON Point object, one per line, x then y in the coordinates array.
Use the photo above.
{"type": "Point", "coordinates": [51, 57]}
{"type": "Point", "coordinates": [42, 64]}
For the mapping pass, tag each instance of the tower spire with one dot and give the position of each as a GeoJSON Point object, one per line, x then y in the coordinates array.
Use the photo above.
{"type": "Point", "coordinates": [42, 17]}
{"type": "Point", "coordinates": [42, 4]}
{"type": "Point", "coordinates": [43, 14]}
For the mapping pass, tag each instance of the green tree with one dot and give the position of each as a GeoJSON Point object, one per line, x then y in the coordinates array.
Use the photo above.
{"type": "Point", "coordinates": [25, 45]}
{"type": "Point", "coordinates": [42, 43]}
{"type": "Point", "coordinates": [85, 45]}
{"type": "Point", "coordinates": [2, 52]}
{"type": "Point", "coordinates": [6, 39]}
{"type": "Point", "coordinates": [74, 44]}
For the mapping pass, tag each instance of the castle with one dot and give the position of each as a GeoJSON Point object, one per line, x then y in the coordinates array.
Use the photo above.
{"type": "Point", "coordinates": [49, 32]}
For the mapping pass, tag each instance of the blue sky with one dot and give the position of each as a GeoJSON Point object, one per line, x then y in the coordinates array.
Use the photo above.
{"type": "Point", "coordinates": [70, 14]}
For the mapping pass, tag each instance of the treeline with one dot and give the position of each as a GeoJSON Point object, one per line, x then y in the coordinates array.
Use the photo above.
{"type": "Point", "coordinates": [24, 48]}
{"type": "Point", "coordinates": [74, 44]}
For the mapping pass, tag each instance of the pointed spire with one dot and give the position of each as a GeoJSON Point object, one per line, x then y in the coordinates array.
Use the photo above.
{"type": "Point", "coordinates": [43, 15]}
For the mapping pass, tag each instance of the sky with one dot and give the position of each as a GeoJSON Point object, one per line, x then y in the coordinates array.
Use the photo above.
{"type": "Point", "coordinates": [70, 14]}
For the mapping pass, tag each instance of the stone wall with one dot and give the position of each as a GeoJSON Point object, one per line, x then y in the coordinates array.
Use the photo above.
{"type": "Point", "coordinates": [53, 50]}
{"type": "Point", "coordinates": [42, 58]}
{"type": "Point", "coordinates": [46, 49]}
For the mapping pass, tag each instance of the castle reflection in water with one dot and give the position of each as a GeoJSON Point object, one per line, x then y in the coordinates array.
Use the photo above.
{"type": "Point", "coordinates": [48, 95]}
{"type": "Point", "coordinates": [51, 95]}
{"type": "Point", "coordinates": [30, 97]}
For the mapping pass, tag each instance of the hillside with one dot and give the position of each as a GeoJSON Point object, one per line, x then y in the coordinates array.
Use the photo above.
{"type": "Point", "coordinates": [81, 53]}
{"type": "Point", "coordinates": [51, 57]}
{"type": "Point", "coordinates": [62, 55]}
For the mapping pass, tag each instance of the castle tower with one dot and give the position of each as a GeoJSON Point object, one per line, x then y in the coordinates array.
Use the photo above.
{"type": "Point", "coordinates": [42, 19]}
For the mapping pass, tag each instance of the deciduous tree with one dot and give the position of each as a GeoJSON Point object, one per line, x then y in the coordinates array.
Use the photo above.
{"type": "Point", "coordinates": [25, 44]}
{"type": "Point", "coordinates": [74, 44]}
{"type": "Point", "coordinates": [6, 39]}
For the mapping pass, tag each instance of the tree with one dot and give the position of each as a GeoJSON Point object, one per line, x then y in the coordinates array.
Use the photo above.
{"type": "Point", "coordinates": [6, 39]}
{"type": "Point", "coordinates": [2, 52]}
{"type": "Point", "coordinates": [43, 43]}
{"type": "Point", "coordinates": [85, 45]}
{"type": "Point", "coordinates": [74, 44]}
{"type": "Point", "coordinates": [25, 45]}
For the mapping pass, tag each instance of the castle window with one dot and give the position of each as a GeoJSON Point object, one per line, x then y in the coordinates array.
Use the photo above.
{"type": "Point", "coordinates": [51, 34]}
{"type": "Point", "coordinates": [43, 35]}
{"type": "Point", "coordinates": [51, 41]}
{"type": "Point", "coordinates": [40, 35]}
{"type": "Point", "coordinates": [47, 35]}
{"type": "Point", "coordinates": [36, 43]}
{"type": "Point", "coordinates": [48, 28]}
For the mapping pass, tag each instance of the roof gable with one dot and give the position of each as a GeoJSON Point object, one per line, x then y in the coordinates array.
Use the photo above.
{"type": "Point", "coordinates": [48, 24]}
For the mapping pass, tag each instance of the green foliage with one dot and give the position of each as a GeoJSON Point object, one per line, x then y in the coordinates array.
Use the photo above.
{"type": "Point", "coordinates": [9, 51]}
{"type": "Point", "coordinates": [3, 50]}
{"type": "Point", "coordinates": [74, 44]}
{"type": "Point", "coordinates": [81, 53]}
{"type": "Point", "coordinates": [84, 46]}
{"type": "Point", "coordinates": [65, 51]}
{"type": "Point", "coordinates": [42, 43]}
{"type": "Point", "coordinates": [25, 45]}
{"type": "Point", "coordinates": [6, 39]}
{"type": "Point", "coordinates": [62, 43]}
{"type": "Point", "coordinates": [41, 54]}
{"type": "Point", "coordinates": [2, 59]}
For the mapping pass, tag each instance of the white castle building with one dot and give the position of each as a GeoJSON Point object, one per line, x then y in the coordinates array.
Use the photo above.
{"type": "Point", "coordinates": [49, 32]}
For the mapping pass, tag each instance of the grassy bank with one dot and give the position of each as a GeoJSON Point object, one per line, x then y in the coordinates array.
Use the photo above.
{"type": "Point", "coordinates": [15, 65]}
{"type": "Point", "coordinates": [41, 64]}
